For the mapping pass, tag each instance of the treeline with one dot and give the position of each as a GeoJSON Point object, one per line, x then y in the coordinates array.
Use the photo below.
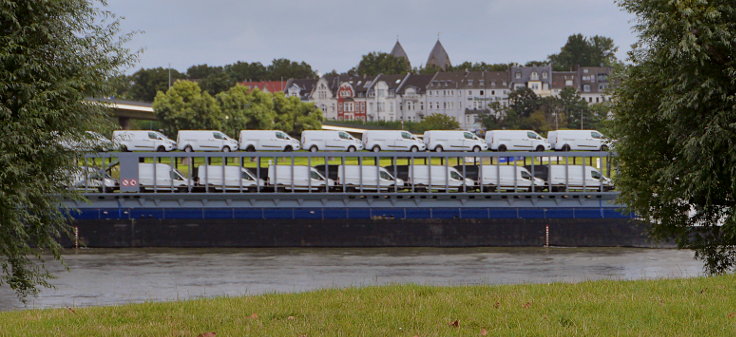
{"type": "Point", "coordinates": [187, 106]}
{"type": "Point", "coordinates": [431, 122]}
{"type": "Point", "coordinates": [527, 110]}
{"type": "Point", "coordinates": [145, 83]}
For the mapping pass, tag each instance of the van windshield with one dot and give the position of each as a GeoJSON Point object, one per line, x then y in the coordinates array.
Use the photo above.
{"type": "Point", "coordinates": [344, 135]}
{"type": "Point", "coordinates": [245, 174]}
{"type": "Point", "coordinates": [596, 135]}
{"type": "Point", "coordinates": [174, 174]}
{"type": "Point", "coordinates": [526, 175]}
{"type": "Point", "coordinates": [315, 175]}
{"type": "Point", "coordinates": [219, 135]}
{"type": "Point", "coordinates": [595, 174]}
{"type": "Point", "coordinates": [385, 175]}
{"type": "Point", "coordinates": [281, 135]}
{"type": "Point", "coordinates": [533, 135]}
{"type": "Point", "coordinates": [406, 135]}
{"type": "Point", "coordinates": [468, 135]}
{"type": "Point", "coordinates": [455, 175]}
{"type": "Point", "coordinates": [152, 135]}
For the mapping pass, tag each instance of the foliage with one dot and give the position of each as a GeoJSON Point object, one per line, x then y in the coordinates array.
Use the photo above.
{"type": "Point", "coordinates": [482, 66]}
{"type": "Point", "coordinates": [437, 122]}
{"type": "Point", "coordinates": [376, 63]}
{"type": "Point", "coordinates": [185, 107]}
{"type": "Point", "coordinates": [147, 82]}
{"type": "Point", "coordinates": [246, 109]}
{"type": "Point", "coordinates": [244, 71]}
{"type": "Point", "coordinates": [526, 110]}
{"type": "Point", "coordinates": [663, 307]}
{"type": "Point", "coordinates": [294, 116]}
{"type": "Point", "coordinates": [54, 55]}
{"type": "Point", "coordinates": [675, 122]}
{"type": "Point", "coordinates": [284, 69]}
{"type": "Point", "coordinates": [585, 52]}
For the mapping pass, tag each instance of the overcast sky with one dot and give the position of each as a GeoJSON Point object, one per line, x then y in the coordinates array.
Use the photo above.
{"type": "Point", "coordinates": [331, 34]}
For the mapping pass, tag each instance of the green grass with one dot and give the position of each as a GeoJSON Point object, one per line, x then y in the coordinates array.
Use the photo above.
{"type": "Point", "coordinates": [673, 307]}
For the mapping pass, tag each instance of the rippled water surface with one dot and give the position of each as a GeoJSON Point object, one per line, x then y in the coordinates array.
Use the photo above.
{"type": "Point", "coordinates": [114, 276]}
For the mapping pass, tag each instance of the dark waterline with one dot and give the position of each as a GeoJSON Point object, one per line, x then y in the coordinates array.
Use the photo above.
{"type": "Point", "coordinates": [117, 276]}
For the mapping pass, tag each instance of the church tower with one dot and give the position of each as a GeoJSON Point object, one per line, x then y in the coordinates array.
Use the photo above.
{"type": "Point", "coordinates": [438, 57]}
{"type": "Point", "coordinates": [398, 51]}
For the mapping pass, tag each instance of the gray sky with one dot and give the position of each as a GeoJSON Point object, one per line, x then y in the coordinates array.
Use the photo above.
{"type": "Point", "coordinates": [332, 34]}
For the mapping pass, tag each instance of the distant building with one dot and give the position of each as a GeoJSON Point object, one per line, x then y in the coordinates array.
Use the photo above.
{"type": "Point", "coordinates": [351, 97]}
{"type": "Point", "coordinates": [398, 51]}
{"type": "Point", "coordinates": [438, 57]}
{"type": "Point", "coordinates": [301, 88]}
{"type": "Point", "coordinates": [537, 78]}
{"type": "Point", "coordinates": [594, 84]}
{"type": "Point", "coordinates": [266, 86]}
{"type": "Point", "coordinates": [412, 97]}
{"type": "Point", "coordinates": [383, 103]}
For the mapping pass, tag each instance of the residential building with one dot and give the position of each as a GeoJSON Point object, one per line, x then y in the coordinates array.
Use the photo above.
{"type": "Point", "coordinates": [301, 88]}
{"type": "Point", "coordinates": [383, 102]}
{"type": "Point", "coordinates": [412, 97]}
{"type": "Point", "coordinates": [594, 84]}
{"type": "Point", "coordinates": [266, 86]}
{"type": "Point", "coordinates": [537, 78]}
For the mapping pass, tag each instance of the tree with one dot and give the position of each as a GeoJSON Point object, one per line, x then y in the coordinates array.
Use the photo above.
{"type": "Point", "coordinates": [244, 71]}
{"type": "Point", "coordinates": [216, 83]}
{"type": "Point", "coordinates": [674, 121]}
{"type": "Point", "coordinates": [147, 82]}
{"type": "Point", "coordinates": [54, 55]}
{"type": "Point", "coordinates": [246, 109]}
{"type": "Point", "coordinates": [284, 69]}
{"type": "Point", "coordinates": [294, 116]}
{"type": "Point", "coordinates": [573, 108]}
{"type": "Point", "coordinates": [185, 106]}
{"type": "Point", "coordinates": [482, 66]}
{"type": "Point", "coordinates": [437, 122]}
{"type": "Point", "coordinates": [585, 52]}
{"type": "Point", "coordinates": [200, 71]}
{"type": "Point", "coordinates": [375, 63]}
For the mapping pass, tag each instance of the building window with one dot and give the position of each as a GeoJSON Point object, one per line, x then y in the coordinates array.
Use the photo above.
{"type": "Point", "coordinates": [470, 82]}
{"type": "Point", "coordinates": [586, 88]}
{"type": "Point", "coordinates": [493, 92]}
{"type": "Point", "coordinates": [544, 75]}
{"type": "Point", "coordinates": [518, 75]}
{"type": "Point", "coordinates": [568, 83]}
{"type": "Point", "coordinates": [534, 76]}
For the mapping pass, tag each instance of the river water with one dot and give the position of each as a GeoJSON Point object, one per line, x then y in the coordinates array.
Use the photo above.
{"type": "Point", "coordinates": [116, 276]}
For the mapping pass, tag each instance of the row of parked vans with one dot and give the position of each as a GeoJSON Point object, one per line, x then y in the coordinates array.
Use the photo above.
{"type": "Point", "coordinates": [350, 178]}
{"type": "Point", "coordinates": [372, 140]}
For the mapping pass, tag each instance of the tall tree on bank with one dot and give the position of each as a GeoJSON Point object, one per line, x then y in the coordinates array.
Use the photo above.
{"type": "Point", "coordinates": [376, 63]}
{"type": "Point", "coordinates": [54, 55]}
{"type": "Point", "coordinates": [585, 52]}
{"type": "Point", "coordinates": [675, 122]}
{"type": "Point", "coordinates": [186, 107]}
{"type": "Point", "coordinates": [145, 83]}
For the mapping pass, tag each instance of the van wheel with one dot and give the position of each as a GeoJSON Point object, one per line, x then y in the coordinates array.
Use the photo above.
{"type": "Point", "coordinates": [161, 149]}
{"type": "Point", "coordinates": [124, 148]}
{"type": "Point", "coordinates": [376, 149]}
{"type": "Point", "coordinates": [565, 147]}
{"type": "Point", "coordinates": [351, 148]}
{"type": "Point", "coordinates": [604, 147]}
{"type": "Point", "coordinates": [225, 149]}
{"type": "Point", "coordinates": [250, 148]}
{"type": "Point", "coordinates": [288, 149]}
{"type": "Point", "coordinates": [502, 148]}
{"type": "Point", "coordinates": [414, 149]}
{"type": "Point", "coordinates": [476, 148]}
{"type": "Point", "coordinates": [438, 148]}
{"type": "Point", "coordinates": [188, 149]}
{"type": "Point", "coordinates": [313, 148]}
{"type": "Point", "coordinates": [540, 148]}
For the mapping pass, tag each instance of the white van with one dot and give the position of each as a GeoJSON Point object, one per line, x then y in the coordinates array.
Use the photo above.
{"type": "Point", "coordinates": [368, 177]}
{"type": "Point", "coordinates": [205, 140]}
{"type": "Point", "coordinates": [453, 140]}
{"type": "Point", "coordinates": [90, 141]}
{"type": "Point", "coordinates": [287, 177]}
{"type": "Point", "coordinates": [391, 140]}
{"type": "Point", "coordinates": [508, 177]}
{"type": "Point", "coordinates": [520, 140]}
{"type": "Point", "coordinates": [566, 140]}
{"type": "Point", "coordinates": [575, 177]}
{"type": "Point", "coordinates": [92, 179]}
{"type": "Point", "coordinates": [267, 140]}
{"type": "Point", "coordinates": [142, 140]}
{"type": "Point", "coordinates": [226, 177]}
{"type": "Point", "coordinates": [160, 177]}
{"type": "Point", "coordinates": [438, 177]}
{"type": "Point", "coordinates": [326, 140]}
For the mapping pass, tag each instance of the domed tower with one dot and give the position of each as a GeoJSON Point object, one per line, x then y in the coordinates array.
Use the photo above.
{"type": "Point", "coordinates": [438, 57]}
{"type": "Point", "coordinates": [398, 51]}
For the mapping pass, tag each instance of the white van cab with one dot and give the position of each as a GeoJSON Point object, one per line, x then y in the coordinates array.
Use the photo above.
{"type": "Point", "coordinates": [226, 177]}
{"type": "Point", "coordinates": [508, 177]}
{"type": "Point", "coordinates": [574, 177]}
{"type": "Point", "coordinates": [391, 140]}
{"type": "Point", "coordinates": [327, 140]}
{"type": "Point", "coordinates": [205, 140]}
{"type": "Point", "coordinates": [298, 177]}
{"type": "Point", "coordinates": [520, 140]}
{"type": "Point", "coordinates": [160, 177]}
{"type": "Point", "coordinates": [367, 177]}
{"type": "Point", "coordinates": [87, 178]}
{"type": "Point", "coordinates": [453, 140]}
{"type": "Point", "coordinates": [267, 140]}
{"type": "Point", "coordinates": [438, 177]}
{"type": "Point", "coordinates": [142, 140]}
{"type": "Point", "coordinates": [566, 140]}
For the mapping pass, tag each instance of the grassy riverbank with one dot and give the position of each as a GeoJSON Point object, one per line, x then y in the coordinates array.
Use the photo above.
{"type": "Point", "coordinates": [677, 307]}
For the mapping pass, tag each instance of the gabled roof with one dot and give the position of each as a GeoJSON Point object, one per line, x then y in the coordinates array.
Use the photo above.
{"type": "Point", "coordinates": [559, 78]}
{"type": "Point", "coordinates": [417, 81]}
{"type": "Point", "coordinates": [306, 86]}
{"type": "Point", "coordinates": [398, 51]}
{"type": "Point", "coordinates": [270, 86]}
{"type": "Point", "coordinates": [438, 57]}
